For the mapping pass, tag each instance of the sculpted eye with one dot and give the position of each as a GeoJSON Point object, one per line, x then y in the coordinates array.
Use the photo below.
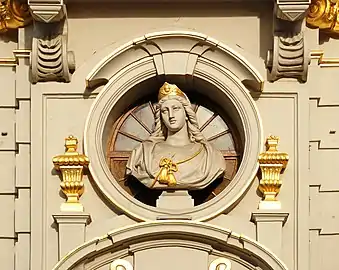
{"type": "Point", "coordinates": [164, 111]}
{"type": "Point", "coordinates": [176, 108]}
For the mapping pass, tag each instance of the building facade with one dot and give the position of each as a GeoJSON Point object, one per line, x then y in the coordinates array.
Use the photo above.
{"type": "Point", "coordinates": [79, 91]}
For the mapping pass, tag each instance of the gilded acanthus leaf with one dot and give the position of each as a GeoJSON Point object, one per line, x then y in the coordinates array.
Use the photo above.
{"type": "Point", "coordinates": [323, 14]}
{"type": "Point", "coordinates": [13, 14]}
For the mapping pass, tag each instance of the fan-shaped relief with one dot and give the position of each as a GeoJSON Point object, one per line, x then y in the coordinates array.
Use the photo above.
{"type": "Point", "coordinates": [135, 129]}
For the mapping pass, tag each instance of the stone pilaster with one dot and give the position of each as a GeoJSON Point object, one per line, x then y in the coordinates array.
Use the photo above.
{"type": "Point", "coordinates": [269, 228]}
{"type": "Point", "coordinates": [72, 228]}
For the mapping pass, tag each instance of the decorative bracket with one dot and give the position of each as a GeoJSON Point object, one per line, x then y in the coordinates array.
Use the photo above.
{"type": "Point", "coordinates": [271, 162]}
{"type": "Point", "coordinates": [323, 14]}
{"type": "Point", "coordinates": [50, 61]}
{"type": "Point", "coordinates": [289, 58]}
{"type": "Point", "coordinates": [48, 10]}
{"type": "Point", "coordinates": [291, 10]}
{"type": "Point", "coordinates": [71, 164]}
{"type": "Point", "coordinates": [13, 14]}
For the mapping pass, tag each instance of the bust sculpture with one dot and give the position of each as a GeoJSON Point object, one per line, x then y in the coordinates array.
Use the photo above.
{"type": "Point", "coordinates": [176, 155]}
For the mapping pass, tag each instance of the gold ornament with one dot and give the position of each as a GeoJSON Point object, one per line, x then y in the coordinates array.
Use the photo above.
{"type": "Point", "coordinates": [13, 14]}
{"type": "Point", "coordinates": [71, 165]}
{"type": "Point", "coordinates": [168, 167]}
{"type": "Point", "coordinates": [165, 175]}
{"type": "Point", "coordinates": [271, 162]}
{"type": "Point", "coordinates": [323, 14]}
{"type": "Point", "coordinates": [170, 90]}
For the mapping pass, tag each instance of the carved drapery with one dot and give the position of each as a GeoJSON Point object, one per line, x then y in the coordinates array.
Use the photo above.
{"type": "Point", "coordinates": [71, 164]}
{"type": "Point", "coordinates": [271, 163]}
{"type": "Point", "coordinates": [323, 14]}
{"type": "Point", "coordinates": [289, 58]}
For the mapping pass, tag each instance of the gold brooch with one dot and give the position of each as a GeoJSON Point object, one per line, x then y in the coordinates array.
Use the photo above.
{"type": "Point", "coordinates": [168, 168]}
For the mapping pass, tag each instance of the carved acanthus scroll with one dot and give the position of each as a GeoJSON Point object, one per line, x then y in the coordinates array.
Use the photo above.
{"type": "Point", "coordinates": [13, 14]}
{"type": "Point", "coordinates": [289, 58]}
{"type": "Point", "coordinates": [51, 60]}
{"type": "Point", "coordinates": [271, 162]}
{"type": "Point", "coordinates": [71, 164]}
{"type": "Point", "coordinates": [323, 14]}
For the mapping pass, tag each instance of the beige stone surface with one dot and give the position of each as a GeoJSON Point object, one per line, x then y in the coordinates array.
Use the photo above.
{"type": "Point", "coordinates": [7, 135]}
{"type": "Point", "coordinates": [7, 253]}
{"type": "Point", "coordinates": [197, 259]}
{"type": "Point", "coordinates": [141, 19]}
{"type": "Point", "coordinates": [23, 166]}
{"type": "Point", "coordinates": [7, 77]}
{"type": "Point", "coordinates": [7, 168]}
{"type": "Point", "coordinates": [22, 251]}
{"type": "Point", "coordinates": [35, 119]}
{"type": "Point", "coordinates": [7, 202]}
{"type": "Point", "coordinates": [22, 211]}
{"type": "Point", "coordinates": [22, 122]}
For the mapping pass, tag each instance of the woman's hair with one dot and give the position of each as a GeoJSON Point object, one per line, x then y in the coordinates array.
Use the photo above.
{"type": "Point", "coordinates": [160, 131]}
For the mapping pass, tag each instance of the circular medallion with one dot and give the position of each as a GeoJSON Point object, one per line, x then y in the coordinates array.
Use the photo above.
{"type": "Point", "coordinates": [121, 117]}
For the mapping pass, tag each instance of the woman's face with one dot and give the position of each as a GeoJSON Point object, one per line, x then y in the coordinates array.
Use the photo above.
{"type": "Point", "coordinates": [173, 115]}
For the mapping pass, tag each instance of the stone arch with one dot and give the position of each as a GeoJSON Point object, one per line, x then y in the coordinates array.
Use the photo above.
{"type": "Point", "coordinates": [184, 48]}
{"type": "Point", "coordinates": [149, 235]}
{"type": "Point", "coordinates": [193, 58]}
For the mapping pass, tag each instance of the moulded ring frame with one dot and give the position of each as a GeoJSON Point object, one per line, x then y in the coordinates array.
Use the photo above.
{"type": "Point", "coordinates": [138, 72]}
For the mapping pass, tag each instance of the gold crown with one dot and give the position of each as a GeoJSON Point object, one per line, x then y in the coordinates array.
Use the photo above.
{"type": "Point", "coordinates": [170, 90]}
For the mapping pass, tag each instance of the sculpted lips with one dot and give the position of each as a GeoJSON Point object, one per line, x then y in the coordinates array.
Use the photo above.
{"type": "Point", "coordinates": [172, 121]}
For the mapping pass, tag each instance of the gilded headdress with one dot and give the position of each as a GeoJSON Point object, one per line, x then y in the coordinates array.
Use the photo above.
{"type": "Point", "coordinates": [170, 90]}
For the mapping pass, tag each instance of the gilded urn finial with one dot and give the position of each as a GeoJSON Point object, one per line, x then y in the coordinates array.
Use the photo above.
{"type": "Point", "coordinates": [71, 164]}
{"type": "Point", "coordinates": [271, 162]}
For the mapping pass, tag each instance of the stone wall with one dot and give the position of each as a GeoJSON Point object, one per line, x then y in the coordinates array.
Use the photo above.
{"type": "Point", "coordinates": [35, 119]}
{"type": "Point", "coordinates": [15, 149]}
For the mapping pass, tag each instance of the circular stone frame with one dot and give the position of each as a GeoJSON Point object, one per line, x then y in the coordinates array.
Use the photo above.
{"type": "Point", "coordinates": [228, 84]}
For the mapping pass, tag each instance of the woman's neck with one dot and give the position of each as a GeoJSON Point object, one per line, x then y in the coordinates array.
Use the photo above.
{"type": "Point", "coordinates": [180, 137]}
